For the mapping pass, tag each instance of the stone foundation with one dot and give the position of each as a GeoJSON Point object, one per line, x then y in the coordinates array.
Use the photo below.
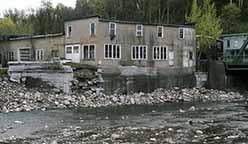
{"type": "Point", "coordinates": [53, 73]}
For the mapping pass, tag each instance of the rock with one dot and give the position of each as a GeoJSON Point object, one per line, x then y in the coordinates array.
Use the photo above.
{"type": "Point", "coordinates": [115, 99]}
{"type": "Point", "coordinates": [132, 101]}
{"type": "Point", "coordinates": [170, 129]}
{"type": "Point", "coordinates": [153, 139]}
{"type": "Point", "coordinates": [199, 132]}
{"type": "Point", "coordinates": [217, 138]}
{"type": "Point", "coordinates": [233, 137]}
{"type": "Point", "coordinates": [115, 136]}
{"type": "Point", "coordinates": [18, 122]}
{"type": "Point", "coordinates": [192, 108]}
{"type": "Point", "coordinates": [43, 109]}
{"type": "Point", "coordinates": [54, 142]}
{"type": "Point", "coordinates": [181, 111]}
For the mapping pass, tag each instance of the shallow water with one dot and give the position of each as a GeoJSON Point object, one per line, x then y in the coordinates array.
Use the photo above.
{"type": "Point", "coordinates": [211, 123]}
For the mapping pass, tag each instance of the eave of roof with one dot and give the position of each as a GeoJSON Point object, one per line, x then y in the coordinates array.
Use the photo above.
{"type": "Point", "coordinates": [37, 36]}
{"type": "Point", "coordinates": [132, 22]}
{"type": "Point", "coordinates": [144, 23]}
{"type": "Point", "coordinates": [234, 34]}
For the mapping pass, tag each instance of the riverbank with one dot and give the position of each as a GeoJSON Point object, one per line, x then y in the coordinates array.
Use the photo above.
{"type": "Point", "coordinates": [17, 98]}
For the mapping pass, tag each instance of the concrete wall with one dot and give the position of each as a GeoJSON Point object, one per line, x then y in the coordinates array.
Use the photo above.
{"type": "Point", "coordinates": [143, 83]}
{"type": "Point", "coordinates": [60, 78]}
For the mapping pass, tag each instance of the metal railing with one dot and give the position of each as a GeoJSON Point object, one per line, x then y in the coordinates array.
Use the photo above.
{"type": "Point", "coordinates": [236, 59]}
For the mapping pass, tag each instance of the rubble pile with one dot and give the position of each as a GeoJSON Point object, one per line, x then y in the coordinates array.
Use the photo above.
{"type": "Point", "coordinates": [16, 97]}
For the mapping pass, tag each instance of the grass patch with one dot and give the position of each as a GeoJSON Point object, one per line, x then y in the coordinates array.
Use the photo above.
{"type": "Point", "coordinates": [3, 72]}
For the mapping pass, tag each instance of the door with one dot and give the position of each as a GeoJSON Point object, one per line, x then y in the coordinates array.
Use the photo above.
{"type": "Point", "coordinates": [171, 57]}
{"type": "Point", "coordinates": [185, 58]}
{"type": "Point", "coordinates": [72, 52]}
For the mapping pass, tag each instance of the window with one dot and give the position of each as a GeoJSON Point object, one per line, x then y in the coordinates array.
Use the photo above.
{"type": "Point", "coordinates": [24, 54]}
{"type": "Point", "coordinates": [112, 51]}
{"type": "Point", "coordinates": [69, 49]}
{"type": "Point", "coordinates": [55, 53]}
{"type": "Point", "coordinates": [11, 56]}
{"type": "Point", "coordinates": [228, 43]}
{"type": "Point", "coordinates": [160, 30]}
{"type": "Point", "coordinates": [112, 28]}
{"type": "Point", "coordinates": [75, 49]}
{"type": "Point", "coordinates": [139, 30]}
{"type": "Point", "coordinates": [159, 53]}
{"type": "Point", "coordinates": [93, 29]}
{"type": "Point", "coordinates": [139, 52]}
{"type": "Point", "coordinates": [190, 55]}
{"type": "Point", "coordinates": [39, 54]}
{"type": "Point", "coordinates": [181, 33]}
{"type": "Point", "coordinates": [68, 31]}
{"type": "Point", "coordinates": [236, 43]}
{"type": "Point", "coordinates": [89, 51]}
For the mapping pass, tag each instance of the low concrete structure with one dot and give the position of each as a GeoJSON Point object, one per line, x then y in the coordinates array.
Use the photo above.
{"type": "Point", "coordinates": [50, 72]}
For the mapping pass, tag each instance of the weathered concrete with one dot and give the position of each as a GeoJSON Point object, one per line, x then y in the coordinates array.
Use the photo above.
{"type": "Point", "coordinates": [145, 83]}
{"type": "Point", "coordinates": [56, 75]}
{"type": "Point", "coordinates": [201, 79]}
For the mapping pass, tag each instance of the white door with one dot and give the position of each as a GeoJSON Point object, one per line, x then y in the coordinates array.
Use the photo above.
{"type": "Point", "coordinates": [185, 58]}
{"type": "Point", "coordinates": [72, 52]}
{"type": "Point", "coordinates": [171, 57]}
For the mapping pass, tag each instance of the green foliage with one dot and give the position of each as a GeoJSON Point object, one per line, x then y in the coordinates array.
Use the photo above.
{"type": "Point", "coordinates": [3, 72]}
{"type": "Point", "coordinates": [208, 24]}
{"type": "Point", "coordinates": [48, 19]}
{"type": "Point", "coordinates": [7, 26]}
{"type": "Point", "coordinates": [230, 18]}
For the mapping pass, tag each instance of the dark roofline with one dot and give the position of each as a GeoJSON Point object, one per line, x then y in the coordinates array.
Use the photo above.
{"type": "Point", "coordinates": [36, 37]}
{"type": "Point", "coordinates": [190, 25]}
{"type": "Point", "coordinates": [144, 23]}
{"type": "Point", "coordinates": [82, 18]}
{"type": "Point", "coordinates": [234, 34]}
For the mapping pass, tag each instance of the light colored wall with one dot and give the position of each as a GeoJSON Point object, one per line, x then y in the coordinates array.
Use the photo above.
{"type": "Point", "coordinates": [126, 37]}
{"type": "Point", "coordinates": [48, 44]}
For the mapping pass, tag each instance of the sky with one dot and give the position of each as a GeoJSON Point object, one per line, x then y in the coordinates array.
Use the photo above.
{"type": "Point", "coordinates": [27, 4]}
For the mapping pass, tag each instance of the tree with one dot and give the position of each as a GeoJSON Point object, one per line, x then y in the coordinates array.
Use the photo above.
{"type": "Point", "coordinates": [7, 26]}
{"type": "Point", "coordinates": [208, 24]}
{"type": "Point", "coordinates": [230, 18]}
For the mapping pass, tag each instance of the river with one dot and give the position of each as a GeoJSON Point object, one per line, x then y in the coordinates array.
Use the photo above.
{"type": "Point", "coordinates": [210, 123]}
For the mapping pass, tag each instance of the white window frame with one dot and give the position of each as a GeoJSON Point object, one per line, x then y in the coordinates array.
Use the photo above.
{"type": "Point", "coordinates": [115, 28]}
{"type": "Point", "coordinates": [38, 55]}
{"type": "Point", "coordinates": [179, 33]}
{"type": "Point", "coordinates": [162, 31]}
{"type": "Point", "coordinates": [11, 55]}
{"type": "Point", "coordinates": [67, 47]}
{"type": "Point", "coordinates": [141, 31]}
{"type": "Point", "coordinates": [139, 46]}
{"type": "Point", "coordinates": [112, 52]}
{"type": "Point", "coordinates": [19, 55]}
{"type": "Point", "coordinates": [76, 45]}
{"type": "Point", "coordinates": [68, 35]}
{"type": "Point", "coordinates": [88, 51]}
{"type": "Point", "coordinates": [94, 28]}
{"type": "Point", "coordinates": [159, 53]}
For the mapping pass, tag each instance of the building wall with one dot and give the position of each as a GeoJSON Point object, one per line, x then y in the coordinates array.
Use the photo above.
{"type": "Point", "coordinates": [126, 37]}
{"type": "Point", "coordinates": [48, 44]}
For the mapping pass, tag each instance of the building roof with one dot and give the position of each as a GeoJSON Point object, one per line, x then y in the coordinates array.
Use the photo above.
{"type": "Point", "coordinates": [234, 35]}
{"type": "Point", "coordinates": [191, 25]}
{"type": "Point", "coordinates": [36, 36]}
